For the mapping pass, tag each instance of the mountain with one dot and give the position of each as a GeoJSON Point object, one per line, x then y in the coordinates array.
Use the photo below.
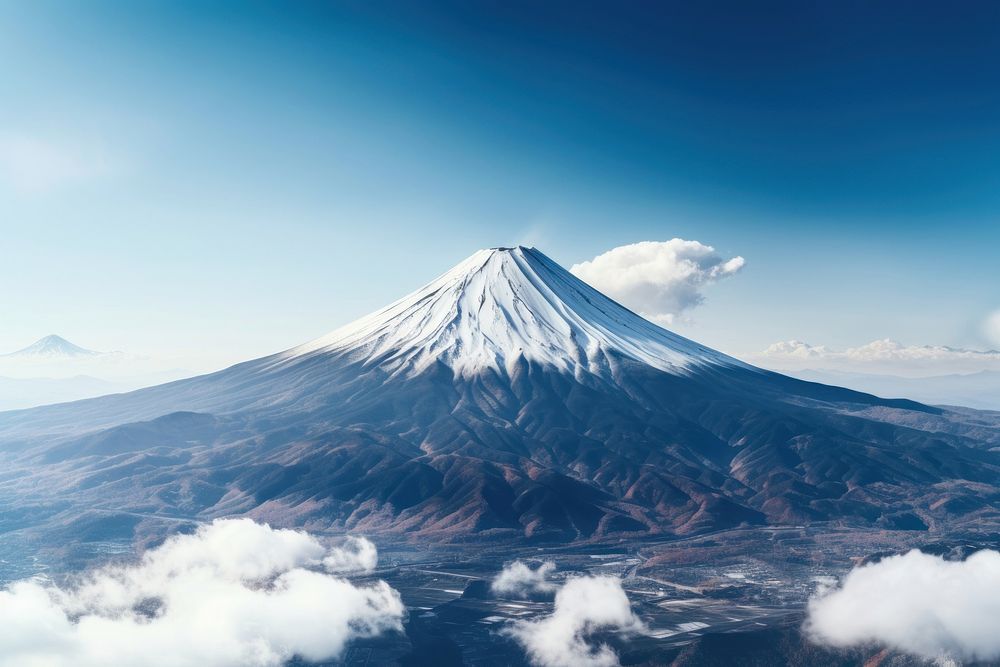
{"type": "Point", "coordinates": [52, 346]}
{"type": "Point", "coordinates": [54, 370]}
{"type": "Point", "coordinates": [504, 400]}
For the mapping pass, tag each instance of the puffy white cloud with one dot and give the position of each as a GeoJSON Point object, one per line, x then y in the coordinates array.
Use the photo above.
{"type": "Point", "coordinates": [796, 349]}
{"type": "Point", "coordinates": [583, 606]}
{"type": "Point", "coordinates": [356, 555]}
{"type": "Point", "coordinates": [658, 279]}
{"type": "Point", "coordinates": [520, 580]}
{"type": "Point", "coordinates": [917, 603]}
{"type": "Point", "coordinates": [234, 593]}
{"type": "Point", "coordinates": [885, 355]}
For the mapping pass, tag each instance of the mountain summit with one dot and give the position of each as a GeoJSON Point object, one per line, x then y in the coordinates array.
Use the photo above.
{"type": "Point", "coordinates": [505, 400]}
{"type": "Point", "coordinates": [50, 347]}
{"type": "Point", "coordinates": [504, 304]}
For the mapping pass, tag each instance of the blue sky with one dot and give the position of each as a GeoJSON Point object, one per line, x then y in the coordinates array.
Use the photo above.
{"type": "Point", "coordinates": [231, 178]}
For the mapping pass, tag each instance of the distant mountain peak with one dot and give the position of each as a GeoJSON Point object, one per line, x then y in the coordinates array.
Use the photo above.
{"type": "Point", "coordinates": [502, 304]}
{"type": "Point", "coordinates": [52, 346]}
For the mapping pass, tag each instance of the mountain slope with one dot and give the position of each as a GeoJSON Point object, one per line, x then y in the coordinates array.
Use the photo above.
{"type": "Point", "coordinates": [507, 399]}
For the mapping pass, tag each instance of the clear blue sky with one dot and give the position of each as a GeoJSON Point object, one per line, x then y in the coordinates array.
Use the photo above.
{"type": "Point", "coordinates": [233, 178]}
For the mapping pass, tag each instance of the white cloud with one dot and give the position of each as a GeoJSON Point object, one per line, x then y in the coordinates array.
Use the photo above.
{"type": "Point", "coordinates": [583, 605]}
{"type": "Point", "coordinates": [32, 165]}
{"type": "Point", "coordinates": [888, 349]}
{"type": "Point", "coordinates": [885, 355]}
{"type": "Point", "coordinates": [518, 579]}
{"type": "Point", "coordinates": [357, 555]}
{"type": "Point", "coordinates": [917, 603]}
{"type": "Point", "coordinates": [234, 593]}
{"type": "Point", "coordinates": [796, 349]}
{"type": "Point", "coordinates": [658, 279]}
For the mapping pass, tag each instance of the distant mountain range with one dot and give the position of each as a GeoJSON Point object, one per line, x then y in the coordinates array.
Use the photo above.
{"type": "Point", "coordinates": [506, 400]}
{"type": "Point", "coordinates": [974, 390]}
{"type": "Point", "coordinates": [30, 385]}
{"type": "Point", "coordinates": [53, 370]}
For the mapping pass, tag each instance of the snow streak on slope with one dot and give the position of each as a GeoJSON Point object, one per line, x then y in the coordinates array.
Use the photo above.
{"type": "Point", "coordinates": [503, 304]}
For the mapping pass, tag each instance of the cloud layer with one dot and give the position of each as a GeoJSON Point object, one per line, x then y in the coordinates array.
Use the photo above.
{"type": "Point", "coordinates": [519, 580]}
{"type": "Point", "coordinates": [658, 279]}
{"type": "Point", "coordinates": [583, 606]}
{"type": "Point", "coordinates": [235, 593]}
{"type": "Point", "coordinates": [884, 355]}
{"type": "Point", "coordinates": [917, 603]}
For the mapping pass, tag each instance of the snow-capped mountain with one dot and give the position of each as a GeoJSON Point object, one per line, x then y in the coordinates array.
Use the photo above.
{"type": "Point", "coordinates": [506, 399]}
{"type": "Point", "coordinates": [505, 304]}
{"type": "Point", "coordinates": [51, 347]}
{"type": "Point", "coordinates": [53, 370]}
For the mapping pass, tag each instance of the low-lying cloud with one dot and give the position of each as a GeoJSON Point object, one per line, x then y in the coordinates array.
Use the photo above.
{"type": "Point", "coordinates": [658, 279]}
{"type": "Point", "coordinates": [519, 580]}
{"type": "Point", "coordinates": [235, 593]}
{"type": "Point", "coordinates": [885, 355]}
{"type": "Point", "coordinates": [583, 606]}
{"type": "Point", "coordinates": [356, 555]}
{"type": "Point", "coordinates": [916, 603]}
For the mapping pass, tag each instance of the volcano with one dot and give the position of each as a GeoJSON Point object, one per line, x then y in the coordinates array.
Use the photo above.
{"type": "Point", "coordinates": [52, 347]}
{"type": "Point", "coordinates": [507, 400]}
